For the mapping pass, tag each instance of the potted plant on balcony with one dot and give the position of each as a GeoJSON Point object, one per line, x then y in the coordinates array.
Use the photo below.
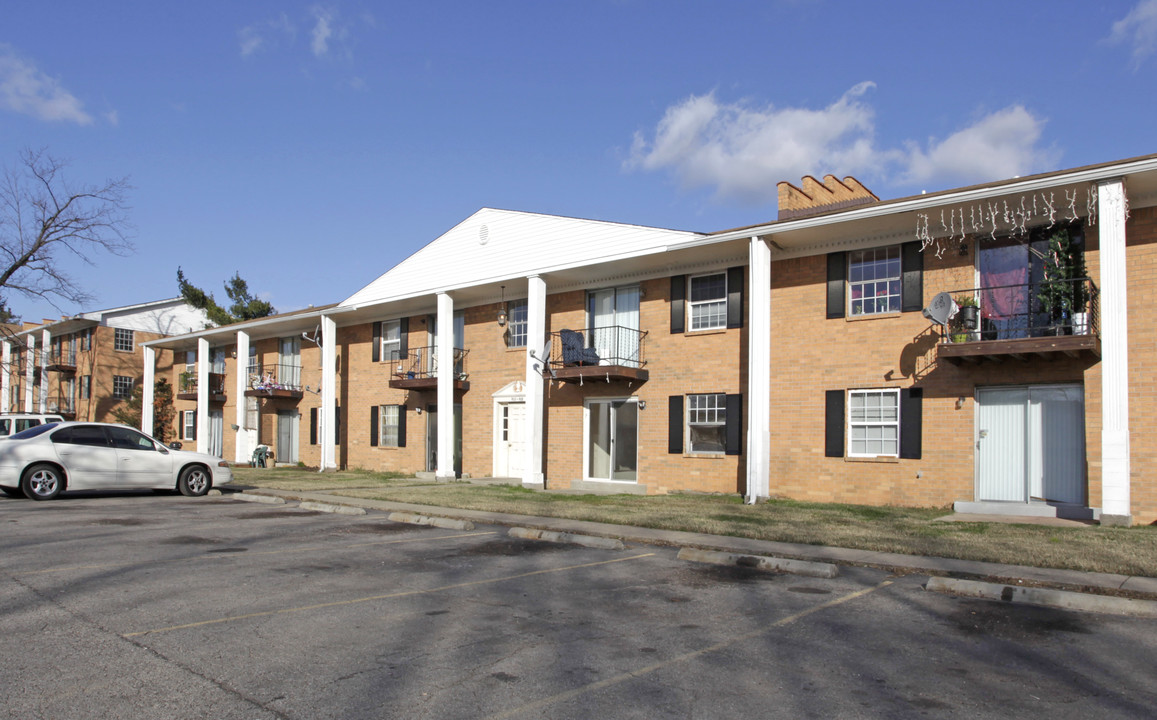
{"type": "Point", "coordinates": [1062, 290]}
{"type": "Point", "coordinates": [966, 321]}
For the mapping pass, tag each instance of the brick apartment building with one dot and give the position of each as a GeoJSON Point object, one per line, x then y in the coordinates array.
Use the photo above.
{"type": "Point", "coordinates": [82, 367]}
{"type": "Point", "coordinates": [984, 346]}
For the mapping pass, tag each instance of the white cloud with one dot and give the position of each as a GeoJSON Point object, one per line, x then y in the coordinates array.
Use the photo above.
{"type": "Point", "coordinates": [25, 89]}
{"type": "Point", "coordinates": [1138, 29]}
{"type": "Point", "coordinates": [1000, 145]}
{"type": "Point", "coordinates": [743, 151]}
{"type": "Point", "coordinates": [261, 36]}
{"type": "Point", "coordinates": [322, 31]}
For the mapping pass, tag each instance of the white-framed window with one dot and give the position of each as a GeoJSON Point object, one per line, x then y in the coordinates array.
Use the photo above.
{"type": "Point", "coordinates": [516, 323]}
{"type": "Point", "coordinates": [708, 301]}
{"type": "Point", "coordinates": [188, 424]}
{"type": "Point", "coordinates": [391, 351]}
{"type": "Point", "coordinates": [707, 423]}
{"type": "Point", "coordinates": [388, 425]}
{"type": "Point", "coordinates": [874, 423]}
{"type": "Point", "coordinates": [122, 340]}
{"type": "Point", "coordinates": [874, 281]}
{"type": "Point", "coordinates": [122, 386]}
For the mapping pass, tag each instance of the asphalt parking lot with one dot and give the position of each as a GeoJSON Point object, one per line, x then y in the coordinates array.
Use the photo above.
{"type": "Point", "coordinates": [143, 606]}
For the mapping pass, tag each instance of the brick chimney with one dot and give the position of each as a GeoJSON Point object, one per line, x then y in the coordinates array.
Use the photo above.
{"type": "Point", "coordinates": [817, 197]}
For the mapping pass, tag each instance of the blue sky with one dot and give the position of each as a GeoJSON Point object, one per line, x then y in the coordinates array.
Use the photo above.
{"type": "Point", "coordinates": [312, 146]}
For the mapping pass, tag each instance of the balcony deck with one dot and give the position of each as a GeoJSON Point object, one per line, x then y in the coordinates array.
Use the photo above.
{"type": "Point", "coordinates": [603, 354]}
{"type": "Point", "coordinates": [419, 370]}
{"type": "Point", "coordinates": [1011, 324]}
{"type": "Point", "coordinates": [282, 380]}
{"type": "Point", "coordinates": [187, 390]}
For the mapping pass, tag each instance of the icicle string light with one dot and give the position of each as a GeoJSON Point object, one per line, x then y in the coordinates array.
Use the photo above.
{"type": "Point", "coordinates": [1000, 217]}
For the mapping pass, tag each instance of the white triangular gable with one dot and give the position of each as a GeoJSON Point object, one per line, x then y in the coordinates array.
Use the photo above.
{"type": "Point", "coordinates": [493, 245]}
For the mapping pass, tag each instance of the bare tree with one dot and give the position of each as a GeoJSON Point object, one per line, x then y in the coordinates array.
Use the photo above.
{"type": "Point", "coordinates": [43, 218]}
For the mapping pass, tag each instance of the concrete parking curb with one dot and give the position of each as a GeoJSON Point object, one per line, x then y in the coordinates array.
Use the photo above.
{"type": "Point", "coordinates": [415, 519]}
{"type": "Point", "coordinates": [592, 541]}
{"type": "Point", "coordinates": [1061, 599]}
{"type": "Point", "coordinates": [787, 565]}
{"type": "Point", "coordinates": [266, 499]}
{"type": "Point", "coordinates": [329, 508]}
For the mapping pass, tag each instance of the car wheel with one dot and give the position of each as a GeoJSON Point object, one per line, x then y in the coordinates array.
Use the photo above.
{"type": "Point", "coordinates": [42, 482]}
{"type": "Point", "coordinates": [195, 481]}
{"type": "Point", "coordinates": [12, 492]}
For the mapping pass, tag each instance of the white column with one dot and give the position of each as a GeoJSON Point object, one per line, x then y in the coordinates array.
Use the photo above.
{"type": "Point", "coordinates": [45, 346]}
{"type": "Point", "coordinates": [1115, 460]}
{"type": "Point", "coordinates": [241, 450]}
{"type": "Point", "coordinates": [29, 373]}
{"type": "Point", "coordinates": [535, 405]}
{"type": "Point", "coordinates": [328, 412]}
{"type": "Point", "coordinates": [445, 350]}
{"type": "Point", "coordinates": [150, 360]}
{"type": "Point", "coordinates": [5, 376]}
{"type": "Point", "coordinates": [759, 372]}
{"type": "Point", "coordinates": [203, 428]}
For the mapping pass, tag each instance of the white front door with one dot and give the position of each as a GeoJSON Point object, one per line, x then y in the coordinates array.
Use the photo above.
{"type": "Point", "coordinates": [288, 426]}
{"type": "Point", "coordinates": [511, 445]}
{"type": "Point", "coordinates": [216, 433]}
{"type": "Point", "coordinates": [1030, 444]}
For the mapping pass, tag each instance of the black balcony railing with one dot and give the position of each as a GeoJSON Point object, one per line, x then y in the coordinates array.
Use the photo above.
{"type": "Point", "coordinates": [601, 346]}
{"type": "Point", "coordinates": [58, 359]}
{"type": "Point", "coordinates": [282, 376]}
{"type": "Point", "coordinates": [63, 404]}
{"type": "Point", "coordinates": [189, 383]}
{"type": "Point", "coordinates": [1030, 310]}
{"type": "Point", "coordinates": [422, 364]}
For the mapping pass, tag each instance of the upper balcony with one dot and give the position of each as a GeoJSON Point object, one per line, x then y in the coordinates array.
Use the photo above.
{"type": "Point", "coordinates": [1042, 319]}
{"type": "Point", "coordinates": [187, 390]}
{"type": "Point", "coordinates": [281, 380]}
{"type": "Point", "coordinates": [418, 370]}
{"type": "Point", "coordinates": [60, 360]}
{"type": "Point", "coordinates": [603, 353]}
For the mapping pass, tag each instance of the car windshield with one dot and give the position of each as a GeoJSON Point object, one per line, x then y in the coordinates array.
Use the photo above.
{"type": "Point", "coordinates": [33, 431]}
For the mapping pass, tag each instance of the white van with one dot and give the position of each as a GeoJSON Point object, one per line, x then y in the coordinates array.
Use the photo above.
{"type": "Point", "coordinates": [12, 423]}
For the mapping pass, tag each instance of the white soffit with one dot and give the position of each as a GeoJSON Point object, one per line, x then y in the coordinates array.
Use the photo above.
{"type": "Point", "coordinates": [492, 245]}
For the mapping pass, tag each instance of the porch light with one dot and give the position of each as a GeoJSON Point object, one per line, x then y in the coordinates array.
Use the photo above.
{"type": "Point", "coordinates": [502, 308]}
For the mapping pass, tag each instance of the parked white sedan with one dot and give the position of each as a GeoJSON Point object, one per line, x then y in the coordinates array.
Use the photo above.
{"type": "Point", "coordinates": [43, 461]}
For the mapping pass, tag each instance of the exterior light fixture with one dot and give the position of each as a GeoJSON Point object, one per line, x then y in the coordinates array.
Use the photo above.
{"type": "Point", "coordinates": [502, 309]}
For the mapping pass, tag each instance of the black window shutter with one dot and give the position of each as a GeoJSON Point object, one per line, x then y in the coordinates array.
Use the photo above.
{"type": "Point", "coordinates": [735, 297]}
{"type": "Point", "coordinates": [404, 344]}
{"type": "Point", "coordinates": [837, 274]}
{"type": "Point", "coordinates": [376, 350]}
{"type": "Point", "coordinates": [401, 426]}
{"type": "Point", "coordinates": [675, 424]}
{"type": "Point", "coordinates": [337, 425]}
{"type": "Point", "coordinates": [313, 426]}
{"type": "Point", "coordinates": [911, 423]}
{"type": "Point", "coordinates": [194, 425]}
{"type": "Point", "coordinates": [912, 266]}
{"type": "Point", "coordinates": [834, 423]}
{"type": "Point", "coordinates": [373, 425]}
{"type": "Point", "coordinates": [734, 425]}
{"type": "Point", "coordinates": [678, 304]}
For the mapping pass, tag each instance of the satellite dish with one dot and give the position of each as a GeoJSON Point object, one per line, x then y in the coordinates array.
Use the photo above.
{"type": "Point", "coordinates": [942, 309]}
{"type": "Point", "coordinates": [543, 360]}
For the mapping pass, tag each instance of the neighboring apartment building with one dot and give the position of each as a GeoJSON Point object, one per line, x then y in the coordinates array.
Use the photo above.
{"type": "Point", "coordinates": [86, 365]}
{"type": "Point", "coordinates": [795, 358]}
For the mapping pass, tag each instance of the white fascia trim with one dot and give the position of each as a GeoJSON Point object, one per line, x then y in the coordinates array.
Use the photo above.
{"type": "Point", "coordinates": [507, 278]}
{"type": "Point", "coordinates": [933, 201]}
{"type": "Point", "coordinates": [226, 331]}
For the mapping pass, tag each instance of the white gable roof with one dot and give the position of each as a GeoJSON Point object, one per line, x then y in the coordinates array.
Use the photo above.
{"type": "Point", "coordinates": [493, 245]}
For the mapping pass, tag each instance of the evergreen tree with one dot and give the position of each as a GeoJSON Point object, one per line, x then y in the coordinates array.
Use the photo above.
{"type": "Point", "coordinates": [244, 306]}
{"type": "Point", "coordinates": [129, 412]}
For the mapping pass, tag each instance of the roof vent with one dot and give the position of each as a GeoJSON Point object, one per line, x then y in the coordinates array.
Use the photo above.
{"type": "Point", "coordinates": [483, 235]}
